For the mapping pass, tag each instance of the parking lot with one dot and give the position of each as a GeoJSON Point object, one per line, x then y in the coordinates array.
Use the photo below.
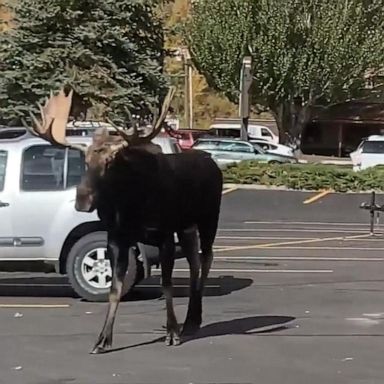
{"type": "Point", "coordinates": [295, 296]}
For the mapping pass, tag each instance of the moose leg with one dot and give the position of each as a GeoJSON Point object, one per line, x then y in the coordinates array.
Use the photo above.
{"type": "Point", "coordinates": [190, 246]}
{"type": "Point", "coordinates": [207, 231]}
{"type": "Point", "coordinates": [206, 258]}
{"type": "Point", "coordinates": [167, 261]}
{"type": "Point", "coordinates": [118, 254]}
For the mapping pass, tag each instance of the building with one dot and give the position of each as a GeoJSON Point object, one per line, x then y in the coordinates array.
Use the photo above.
{"type": "Point", "coordinates": [338, 129]}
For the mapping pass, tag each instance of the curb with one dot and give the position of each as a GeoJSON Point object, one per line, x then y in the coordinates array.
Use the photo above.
{"type": "Point", "coordinates": [327, 162]}
{"type": "Point", "coordinates": [257, 187]}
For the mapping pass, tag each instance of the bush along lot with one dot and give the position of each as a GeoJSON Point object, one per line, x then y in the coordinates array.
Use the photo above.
{"type": "Point", "coordinates": [311, 177]}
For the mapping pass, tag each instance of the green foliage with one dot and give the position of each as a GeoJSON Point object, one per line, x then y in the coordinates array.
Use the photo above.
{"type": "Point", "coordinates": [304, 52]}
{"type": "Point", "coordinates": [110, 52]}
{"type": "Point", "coordinates": [306, 176]}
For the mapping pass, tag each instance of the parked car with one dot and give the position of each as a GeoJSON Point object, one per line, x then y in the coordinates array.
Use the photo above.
{"type": "Point", "coordinates": [187, 137]}
{"type": "Point", "coordinates": [369, 153]}
{"type": "Point", "coordinates": [269, 147]}
{"type": "Point", "coordinates": [227, 151]}
{"type": "Point", "coordinates": [38, 218]}
{"type": "Point", "coordinates": [228, 130]}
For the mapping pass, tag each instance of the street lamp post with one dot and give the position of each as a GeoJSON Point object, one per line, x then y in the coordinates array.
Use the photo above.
{"type": "Point", "coordinates": [188, 94]}
{"type": "Point", "coordinates": [245, 85]}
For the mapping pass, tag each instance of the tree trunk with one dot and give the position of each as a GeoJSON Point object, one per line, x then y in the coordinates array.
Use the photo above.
{"type": "Point", "coordinates": [283, 117]}
{"type": "Point", "coordinates": [291, 118]}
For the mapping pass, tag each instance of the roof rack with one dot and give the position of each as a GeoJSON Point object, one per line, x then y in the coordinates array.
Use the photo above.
{"type": "Point", "coordinates": [13, 132]}
{"type": "Point", "coordinates": [89, 124]}
{"type": "Point", "coordinates": [74, 128]}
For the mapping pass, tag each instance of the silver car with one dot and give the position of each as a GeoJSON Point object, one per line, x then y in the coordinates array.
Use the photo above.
{"type": "Point", "coordinates": [229, 151]}
{"type": "Point", "coordinates": [38, 219]}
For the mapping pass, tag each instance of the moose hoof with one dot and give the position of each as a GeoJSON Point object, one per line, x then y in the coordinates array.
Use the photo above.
{"type": "Point", "coordinates": [101, 348]}
{"type": "Point", "coordinates": [172, 339]}
{"type": "Point", "coordinates": [98, 351]}
{"type": "Point", "coordinates": [190, 328]}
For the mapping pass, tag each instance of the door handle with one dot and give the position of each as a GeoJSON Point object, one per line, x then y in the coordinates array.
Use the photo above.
{"type": "Point", "coordinates": [2, 204]}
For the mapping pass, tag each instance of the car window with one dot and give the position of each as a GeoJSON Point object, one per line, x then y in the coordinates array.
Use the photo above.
{"type": "Point", "coordinates": [3, 168]}
{"type": "Point", "coordinates": [43, 168]}
{"type": "Point", "coordinates": [196, 135]}
{"type": "Point", "coordinates": [206, 145]}
{"type": "Point", "coordinates": [235, 147]}
{"type": "Point", "coordinates": [185, 136]}
{"type": "Point", "coordinates": [265, 146]}
{"type": "Point", "coordinates": [76, 167]}
{"type": "Point", "coordinates": [227, 132]}
{"type": "Point", "coordinates": [265, 132]}
{"type": "Point", "coordinates": [258, 149]}
{"type": "Point", "coordinates": [373, 147]}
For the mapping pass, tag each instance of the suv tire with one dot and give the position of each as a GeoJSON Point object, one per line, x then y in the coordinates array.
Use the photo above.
{"type": "Point", "coordinates": [89, 271]}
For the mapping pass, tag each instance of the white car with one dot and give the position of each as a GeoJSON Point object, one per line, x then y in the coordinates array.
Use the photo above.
{"type": "Point", "coordinates": [277, 149]}
{"type": "Point", "coordinates": [369, 153]}
{"type": "Point", "coordinates": [228, 130]}
{"type": "Point", "coordinates": [38, 220]}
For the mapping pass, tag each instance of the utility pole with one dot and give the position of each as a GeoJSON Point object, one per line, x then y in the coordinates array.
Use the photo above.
{"type": "Point", "coordinates": [245, 85]}
{"type": "Point", "coordinates": [188, 91]}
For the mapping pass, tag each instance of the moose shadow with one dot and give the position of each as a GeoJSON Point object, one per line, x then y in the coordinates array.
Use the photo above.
{"type": "Point", "coordinates": [216, 286]}
{"type": "Point", "coordinates": [51, 285]}
{"type": "Point", "coordinates": [247, 326]}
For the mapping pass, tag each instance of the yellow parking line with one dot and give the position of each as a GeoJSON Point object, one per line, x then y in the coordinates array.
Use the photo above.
{"type": "Point", "coordinates": [34, 305]}
{"type": "Point", "coordinates": [229, 190]}
{"type": "Point", "coordinates": [270, 245]}
{"type": "Point", "coordinates": [317, 197]}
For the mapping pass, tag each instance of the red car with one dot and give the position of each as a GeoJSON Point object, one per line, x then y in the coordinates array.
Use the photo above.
{"type": "Point", "coordinates": [187, 137]}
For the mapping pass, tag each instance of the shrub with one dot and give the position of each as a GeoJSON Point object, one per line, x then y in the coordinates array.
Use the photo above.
{"type": "Point", "coordinates": [306, 176]}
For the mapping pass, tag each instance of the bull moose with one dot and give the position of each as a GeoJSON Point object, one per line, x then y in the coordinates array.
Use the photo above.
{"type": "Point", "coordinates": [143, 195]}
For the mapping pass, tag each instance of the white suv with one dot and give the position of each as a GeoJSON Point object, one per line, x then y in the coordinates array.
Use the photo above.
{"type": "Point", "coordinates": [369, 153]}
{"type": "Point", "coordinates": [38, 221]}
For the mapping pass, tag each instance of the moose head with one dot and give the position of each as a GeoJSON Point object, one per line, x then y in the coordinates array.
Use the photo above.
{"type": "Point", "coordinates": [104, 147]}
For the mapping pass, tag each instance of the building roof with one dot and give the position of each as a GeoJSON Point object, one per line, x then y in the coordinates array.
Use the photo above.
{"type": "Point", "coordinates": [350, 112]}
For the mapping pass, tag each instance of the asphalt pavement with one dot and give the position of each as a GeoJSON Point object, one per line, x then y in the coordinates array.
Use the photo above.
{"type": "Point", "coordinates": [295, 296]}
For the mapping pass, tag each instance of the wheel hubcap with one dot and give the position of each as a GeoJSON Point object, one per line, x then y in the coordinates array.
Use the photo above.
{"type": "Point", "coordinates": [96, 269]}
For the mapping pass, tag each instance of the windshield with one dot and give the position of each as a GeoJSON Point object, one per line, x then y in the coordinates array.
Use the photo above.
{"type": "Point", "coordinates": [206, 144]}
{"type": "Point", "coordinates": [373, 147]}
{"type": "Point", "coordinates": [227, 132]}
{"type": "Point", "coordinates": [258, 148]}
{"type": "Point", "coordinates": [3, 163]}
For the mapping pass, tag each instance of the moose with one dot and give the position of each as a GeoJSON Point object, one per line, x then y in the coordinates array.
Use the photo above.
{"type": "Point", "coordinates": [143, 195]}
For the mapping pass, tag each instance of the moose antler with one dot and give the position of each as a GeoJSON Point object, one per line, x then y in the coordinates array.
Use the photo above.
{"type": "Point", "coordinates": [163, 115]}
{"type": "Point", "coordinates": [135, 138]}
{"type": "Point", "coordinates": [54, 119]}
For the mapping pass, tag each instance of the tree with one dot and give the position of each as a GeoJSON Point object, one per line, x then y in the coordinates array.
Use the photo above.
{"type": "Point", "coordinates": [110, 52]}
{"type": "Point", "coordinates": [305, 52]}
{"type": "Point", "coordinates": [207, 103]}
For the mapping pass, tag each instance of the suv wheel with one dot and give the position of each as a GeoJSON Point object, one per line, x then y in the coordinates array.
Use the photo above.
{"type": "Point", "coordinates": [89, 271]}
